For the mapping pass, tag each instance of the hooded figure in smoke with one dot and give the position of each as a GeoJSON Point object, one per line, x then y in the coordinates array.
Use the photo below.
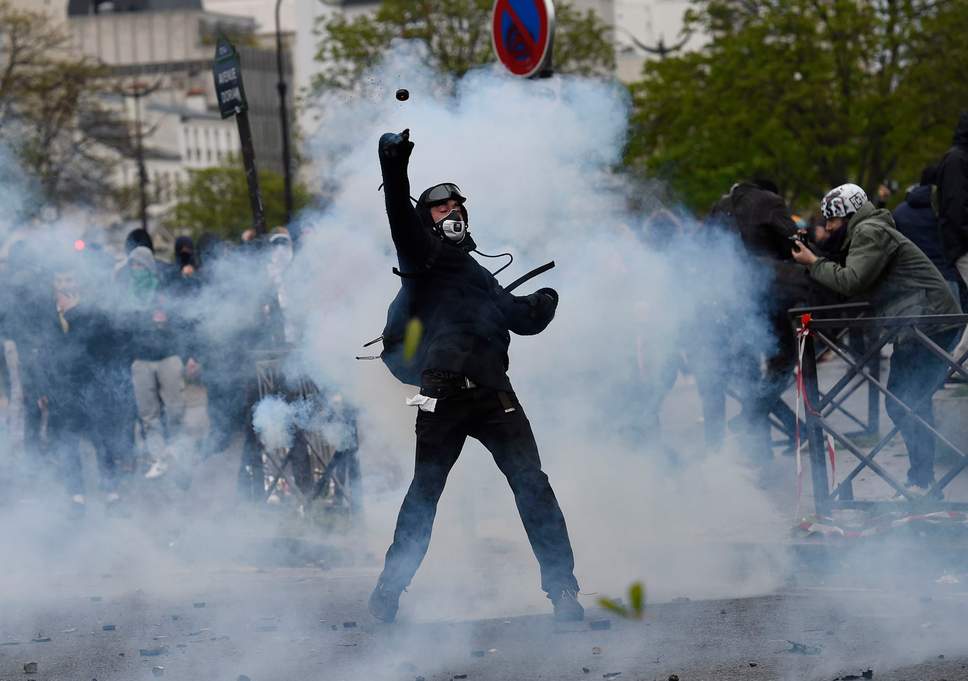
{"type": "Point", "coordinates": [460, 363]}
{"type": "Point", "coordinates": [762, 221]}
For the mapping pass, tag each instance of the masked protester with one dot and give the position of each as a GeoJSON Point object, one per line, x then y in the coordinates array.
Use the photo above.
{"type": "Point", "coordinates": [157, 370]}
{"type": "Point", "coordinates": [898, 279]}
{"type": "Point", "coordinates": [460, 363]}
{"type": "Point", "coordinates": [762, 221]}
{"type": "Point", "coordinates": [26, 289]}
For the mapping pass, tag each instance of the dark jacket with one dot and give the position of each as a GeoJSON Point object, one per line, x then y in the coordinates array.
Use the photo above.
{"type": "Point", "coordinates": [763, 223]}
{"type": "Point", "coordinates": [760, 218]}
{"type": "Point", "coordinates": [953, 194]}
{"type": "Point", "coordinates": [885, 268]}
{"type": "Point", "coordinates": [151, 330]}
{"type": "Point", "coordinates": [466, 315]}
{"type": "Point", "coordinates": [916, 220]}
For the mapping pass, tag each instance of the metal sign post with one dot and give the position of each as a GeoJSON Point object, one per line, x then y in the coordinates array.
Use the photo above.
{"type": "Point", "coordinates": [523, 33]}
{"type": "Point", "coordinates": [227, 70]}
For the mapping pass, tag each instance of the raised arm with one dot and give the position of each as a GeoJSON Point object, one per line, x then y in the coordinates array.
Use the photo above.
{"type": "Point", "coordinates": [413, 240]}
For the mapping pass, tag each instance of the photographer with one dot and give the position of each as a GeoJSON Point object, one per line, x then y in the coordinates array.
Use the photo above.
{"type": "Point", "coordinates": [898, 279]}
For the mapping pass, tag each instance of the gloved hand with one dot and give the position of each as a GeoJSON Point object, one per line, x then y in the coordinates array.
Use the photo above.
{"type": "Point", "coordinates": [550, 293]}
{"type": "Point", "coordinates": [543, 303]}
{"type": "Point", "coordinates": [396, 147]}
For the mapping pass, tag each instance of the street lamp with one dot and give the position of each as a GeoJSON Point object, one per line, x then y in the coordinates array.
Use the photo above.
{"type": "Point", "coordinates": [284, 120]}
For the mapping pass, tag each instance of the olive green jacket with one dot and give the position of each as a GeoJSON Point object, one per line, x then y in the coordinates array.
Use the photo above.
{"type": "Point", "coordinates": [886, 269]}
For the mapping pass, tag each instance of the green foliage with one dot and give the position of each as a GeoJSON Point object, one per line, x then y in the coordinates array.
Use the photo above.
{"type": "Point", "coordinates": [457, 34]}
{"type": "Point", "coordinates": [217, 200]}
{"type": "Point", "coordinates": [811, 94]}
{"type": "Point", "coordinates": [636, 607]}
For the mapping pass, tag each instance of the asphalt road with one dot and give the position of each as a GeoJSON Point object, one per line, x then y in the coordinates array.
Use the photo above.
{"type": "Point", "coordinates": [310, 623]}
{"type": "Point", "coordinates": [170, 592]}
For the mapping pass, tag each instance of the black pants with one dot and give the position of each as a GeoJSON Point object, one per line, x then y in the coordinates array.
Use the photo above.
{"type": "Point", "coordinates": [914, 372]}
{"type": "Point", "coordinates": [482, 414]}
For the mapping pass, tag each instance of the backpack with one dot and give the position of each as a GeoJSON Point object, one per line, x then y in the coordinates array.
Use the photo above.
{"type": "Point", "coordinates": [399, 314]}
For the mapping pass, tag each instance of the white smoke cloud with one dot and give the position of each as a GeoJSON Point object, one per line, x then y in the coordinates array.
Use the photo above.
{"type": "Point", "coordinates": [536, 160]}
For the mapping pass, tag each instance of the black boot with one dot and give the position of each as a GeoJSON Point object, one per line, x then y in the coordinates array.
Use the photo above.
{"type": "Point", "coordinates": [384, 602]}
{"type": "Point", "coordinates": [567, 607]}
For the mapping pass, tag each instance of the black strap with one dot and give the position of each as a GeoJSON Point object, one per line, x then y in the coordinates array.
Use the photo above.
{"type": "Point", "coordinates": [530, 275]}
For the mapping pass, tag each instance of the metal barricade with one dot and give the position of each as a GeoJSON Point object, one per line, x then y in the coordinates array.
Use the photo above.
{"type": "Point", "coordinates": [863, 368]}
{"type": "Point", "coordinates": [317, 473]}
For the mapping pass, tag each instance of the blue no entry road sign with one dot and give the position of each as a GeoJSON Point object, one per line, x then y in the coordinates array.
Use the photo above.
{"type": "Point", "coordinates": [522, 32]}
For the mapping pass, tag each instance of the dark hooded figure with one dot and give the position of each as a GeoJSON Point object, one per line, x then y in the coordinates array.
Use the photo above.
{"type": "Point", "coordinates": [26, 297]}
{"type": "Point", "coordinates": [138, 237]}
{"type": "Point", "coordinates": [953, 207]}
{"type": "Point", "coordinates": [460, 361]}
{"type": "Point", "coordinates": [915, 219]}
{"type": "Point", "coordinates": [765, 227]}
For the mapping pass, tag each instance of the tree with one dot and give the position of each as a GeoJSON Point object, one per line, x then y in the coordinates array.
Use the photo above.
{"type": "Point", "coordinates": [457, 34]}
{"type": "Point", "coordinates": [217, 200]}
{"type": "Point", "coordinates": [50, 111]}
{"type": "Point", "coordinates": [811, 93]}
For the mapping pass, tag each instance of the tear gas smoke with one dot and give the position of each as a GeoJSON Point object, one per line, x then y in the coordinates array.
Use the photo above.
{"type": "Point", "coordinates": [536, 162]}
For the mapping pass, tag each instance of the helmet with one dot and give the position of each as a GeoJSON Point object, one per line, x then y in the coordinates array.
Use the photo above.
{"type": "Point", "coordinates": [842, 201]}
{"type": "Point", "coordinates": [439, 193]}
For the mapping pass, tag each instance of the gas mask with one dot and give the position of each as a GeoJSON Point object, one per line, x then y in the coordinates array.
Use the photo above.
{"type": "Point", "coordinates": [453, 227]}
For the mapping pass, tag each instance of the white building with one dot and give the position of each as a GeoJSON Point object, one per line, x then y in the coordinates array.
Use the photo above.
{"type": "Point", "coordinates": [162, 50]}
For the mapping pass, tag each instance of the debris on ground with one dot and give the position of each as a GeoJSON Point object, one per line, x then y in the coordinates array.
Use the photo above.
{"type": "Point", "coordinates": [600, 625]}
{"type": "Point", "coordinates": [10, 643]}
{"type": "Point", "coordinates": [420, 678]}
{"type": "Point", "coordinates": [460, 676]}
{"type": "Point", "coordinates": [108, 627]}
{"type": "Point", "coordinates": [586, 670]}
{"type": "Point", "coordinates": [349, 625]}
{"type": "Point", "coordinates": [40, 638]}
{"type": "Point", "coordinates": [804, 648]}
{"type": "Point", "coordinates": [752, 664]}
{"type": "Point", "coordinates": [69, 631]}
{"type": "Point", "coordinates": [611, 675]}
{"type": "Point", "coordinates": [673, 677]}
{"type": "Point", "coordinates": [869, 674]}
{"type": "Point", "coordinates": [199, 632]}
{"type": "Point", "coordinates": [158, 670]}
{"type": "Point", "coordinates": [30, 668]}
{"type": "Point", "coordinates": [153, 652]}
{"type": "Point", "coordinates": [722, 612]}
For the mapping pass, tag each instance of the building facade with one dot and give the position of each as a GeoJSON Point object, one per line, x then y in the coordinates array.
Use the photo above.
{"type": "Point", "coordinates": [160, 55]}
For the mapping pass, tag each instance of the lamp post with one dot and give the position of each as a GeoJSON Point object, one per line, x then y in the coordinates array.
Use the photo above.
{"type": "Point", "coordinates": [284, 121]}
